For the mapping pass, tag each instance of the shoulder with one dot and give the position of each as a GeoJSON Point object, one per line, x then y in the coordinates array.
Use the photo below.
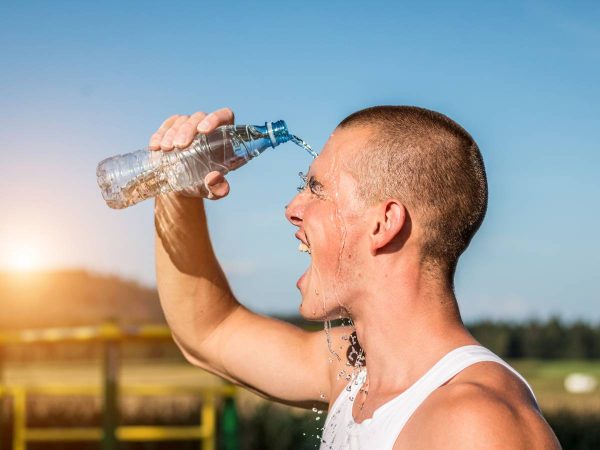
{"type": "Point", "coordinates": [485, 406]}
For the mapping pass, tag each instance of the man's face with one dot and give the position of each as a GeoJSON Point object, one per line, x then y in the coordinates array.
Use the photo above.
{"type": "Point", "coordinates": [332, 227]}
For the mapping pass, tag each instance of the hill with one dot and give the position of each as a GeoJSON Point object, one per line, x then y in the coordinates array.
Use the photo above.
{"type": "Point", "coordinates": [74, 298]}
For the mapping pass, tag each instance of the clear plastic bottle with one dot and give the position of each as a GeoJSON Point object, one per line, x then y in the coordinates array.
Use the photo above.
{"type": "Point", "coordinates": [128, 179]}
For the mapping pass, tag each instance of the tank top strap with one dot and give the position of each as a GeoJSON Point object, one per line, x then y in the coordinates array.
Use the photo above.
{"type": "Point", "coordinates": [382, 429]}
{"type": "Point", "coordinates": [451, 365]}
{"type": "Point", "coordinates": [400, 409]}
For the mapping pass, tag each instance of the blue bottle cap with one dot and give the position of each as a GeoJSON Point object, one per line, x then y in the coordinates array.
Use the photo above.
{"type": "Point", "coordinates": [278, 132]}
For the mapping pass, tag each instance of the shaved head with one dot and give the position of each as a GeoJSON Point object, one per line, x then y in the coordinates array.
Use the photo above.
{"type": "Point", "coordinates": [433, 166]}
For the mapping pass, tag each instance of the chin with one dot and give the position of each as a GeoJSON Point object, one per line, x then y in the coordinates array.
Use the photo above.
{"type": "Point", "coordinates": [313, 311]}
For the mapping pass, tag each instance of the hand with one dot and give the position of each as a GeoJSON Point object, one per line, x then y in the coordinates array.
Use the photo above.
{"type": "Point", "coordinates": [179, 131]}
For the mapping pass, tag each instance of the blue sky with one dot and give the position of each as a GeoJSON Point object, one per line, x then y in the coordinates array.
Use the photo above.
{"type": "Point", "coordinates": [81, 81]}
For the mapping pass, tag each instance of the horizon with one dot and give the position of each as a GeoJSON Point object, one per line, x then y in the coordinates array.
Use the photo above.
{"type": "Point", "coordinates": [29, 275]}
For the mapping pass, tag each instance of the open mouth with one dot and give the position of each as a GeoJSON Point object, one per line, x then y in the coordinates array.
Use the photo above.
{"type": "Point", "coordinates": [302, 247]}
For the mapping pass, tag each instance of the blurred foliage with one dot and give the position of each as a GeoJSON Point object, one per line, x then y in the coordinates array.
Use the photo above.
{"type": "Point", "coordinates": [276, 428]}
{"type": "Point", "coordinates": [272, 427]}
{"type": "Point", "coordinates": [576, 431]}
{"type": "Point", "coordinates": [552, 339]}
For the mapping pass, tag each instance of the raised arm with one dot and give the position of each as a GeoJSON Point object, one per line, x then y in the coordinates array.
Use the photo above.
{"type": "Point", "coordinates": [213, 330]}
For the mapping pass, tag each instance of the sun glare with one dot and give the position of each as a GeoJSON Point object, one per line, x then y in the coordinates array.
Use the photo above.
{"type": "Point", "coordinates": [23, 259]}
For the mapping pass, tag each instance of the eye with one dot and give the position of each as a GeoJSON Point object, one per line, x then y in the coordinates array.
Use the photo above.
{"type": "Point", "coordinates": [314, 186]}
{"type": "Point", "coordinates": [311, 183]}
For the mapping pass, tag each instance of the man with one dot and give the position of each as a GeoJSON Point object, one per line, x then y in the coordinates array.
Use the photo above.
{"type": "Point", "coordinates": [389, 205]}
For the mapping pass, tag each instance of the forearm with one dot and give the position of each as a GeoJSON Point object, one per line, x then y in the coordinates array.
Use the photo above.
{"type": "Point", "coordinates": [194, 292]}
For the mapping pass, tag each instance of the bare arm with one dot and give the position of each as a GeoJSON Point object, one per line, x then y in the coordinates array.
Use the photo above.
{"type": "Point", "coordinates": [213, 330]}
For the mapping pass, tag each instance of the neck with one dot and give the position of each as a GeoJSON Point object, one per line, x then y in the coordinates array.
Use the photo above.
{"type": "Point", "coordinates": [407, 324]}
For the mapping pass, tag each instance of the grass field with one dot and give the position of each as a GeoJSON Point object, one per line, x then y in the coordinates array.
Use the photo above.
{"type": "Point", "coordinates": [264, 425]}
{"type": "Point", "coordinates": [546, 378]}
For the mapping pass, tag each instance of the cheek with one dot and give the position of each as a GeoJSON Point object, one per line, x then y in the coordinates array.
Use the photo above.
{"type": "Point", "coordinates": [351, 261]}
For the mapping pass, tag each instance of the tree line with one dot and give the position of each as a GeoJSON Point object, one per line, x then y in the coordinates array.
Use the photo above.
{"type": "Point", "coordinates": [551, 339]}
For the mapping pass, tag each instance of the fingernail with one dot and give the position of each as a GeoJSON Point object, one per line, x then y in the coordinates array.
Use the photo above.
{"type": "Point", "coordinates": [203, 126]}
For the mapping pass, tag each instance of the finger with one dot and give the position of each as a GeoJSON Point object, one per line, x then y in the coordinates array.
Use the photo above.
{"type": "Point", "coordinates": [223, 116]}
{"type": "Point", "coordinates": [216, 185]}
{"type": "Point", "coordinates": [167, 141]}
{"type": "Point", "coordinates": [187, 131]}
{"type": "Point", "coordinates": [158, 135]}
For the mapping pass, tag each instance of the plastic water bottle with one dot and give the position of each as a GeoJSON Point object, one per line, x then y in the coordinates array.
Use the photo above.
{"type": "Point", "coordinates": [128, 179]}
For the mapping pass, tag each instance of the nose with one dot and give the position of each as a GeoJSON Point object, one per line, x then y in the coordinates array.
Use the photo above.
{"type": "Point", "coordinates": [294, 211]}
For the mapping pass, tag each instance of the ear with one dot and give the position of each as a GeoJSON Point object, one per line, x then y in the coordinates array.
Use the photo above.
{"type": "Point", "coordinates": [389, 219]}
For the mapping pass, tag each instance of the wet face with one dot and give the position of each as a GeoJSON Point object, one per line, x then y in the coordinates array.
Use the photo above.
{"type": "Point", "coordinates": [331, 228]}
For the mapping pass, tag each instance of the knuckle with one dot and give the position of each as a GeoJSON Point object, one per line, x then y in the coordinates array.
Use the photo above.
{"type": "Point", "coordinates": [170, 119]}
{"type": "Point", "coordinates": [230, 115]}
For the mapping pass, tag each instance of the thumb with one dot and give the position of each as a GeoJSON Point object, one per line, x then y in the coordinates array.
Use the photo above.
{"type": "Point", "coordinates": [216, 185]}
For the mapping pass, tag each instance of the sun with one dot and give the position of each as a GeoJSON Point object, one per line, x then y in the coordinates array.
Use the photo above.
{"type": "Point", "coordinates": [23, 259]}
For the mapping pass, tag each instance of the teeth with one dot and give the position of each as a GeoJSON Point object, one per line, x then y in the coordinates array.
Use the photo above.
{"type": "Point", "coordinates": [304, 248]}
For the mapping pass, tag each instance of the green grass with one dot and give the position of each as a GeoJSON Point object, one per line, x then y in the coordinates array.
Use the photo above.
{"type": "Point", "coordinates": [574, 417]}
{"type": "Point", "coordinates": [547, 379]}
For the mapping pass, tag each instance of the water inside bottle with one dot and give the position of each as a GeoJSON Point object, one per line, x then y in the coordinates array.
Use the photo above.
{"type": "Point", "coordinates": [147, 184]}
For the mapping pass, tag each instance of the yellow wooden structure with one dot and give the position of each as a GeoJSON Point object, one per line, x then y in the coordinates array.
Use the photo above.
{"type": "Point", "coordinates": [110, 433]}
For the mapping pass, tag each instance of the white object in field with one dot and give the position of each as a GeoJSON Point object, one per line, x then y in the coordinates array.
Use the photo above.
{"type": "Point", "coordinates": [580, 383]}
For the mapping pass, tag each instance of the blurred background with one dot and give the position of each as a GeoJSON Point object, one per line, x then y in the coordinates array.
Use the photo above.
{"type": "Point", "coordinates": [81, 81]}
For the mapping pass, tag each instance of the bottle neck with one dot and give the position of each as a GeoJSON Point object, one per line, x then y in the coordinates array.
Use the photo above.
{"type": "Point", "coordinates": [255, 139]}
{"type": "Point", "coordinates": [277, 132]}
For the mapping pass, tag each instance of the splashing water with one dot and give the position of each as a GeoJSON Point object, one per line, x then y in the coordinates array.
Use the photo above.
{"type": "Point", "coordinates": [301, 143]}
{"type": "Point", "coordinates": [356, 356]}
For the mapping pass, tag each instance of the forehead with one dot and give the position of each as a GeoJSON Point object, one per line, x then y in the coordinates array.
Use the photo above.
{"type": "Point", "coordinates": [339, 149]}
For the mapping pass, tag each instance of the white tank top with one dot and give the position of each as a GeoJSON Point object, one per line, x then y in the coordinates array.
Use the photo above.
{"type": "Point", "coordinates": [380, 432]}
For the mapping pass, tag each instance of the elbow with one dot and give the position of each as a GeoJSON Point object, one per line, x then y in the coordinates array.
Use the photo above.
{"type": "Point", "coordinates": [190, 356]}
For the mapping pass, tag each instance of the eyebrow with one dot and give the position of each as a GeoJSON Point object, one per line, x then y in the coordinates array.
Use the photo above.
{"type": "Point", "coordinates": [312, 179]}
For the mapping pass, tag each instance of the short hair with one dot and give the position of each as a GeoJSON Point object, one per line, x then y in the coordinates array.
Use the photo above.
{"type": "Point", "coordinates": [432, 165]}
